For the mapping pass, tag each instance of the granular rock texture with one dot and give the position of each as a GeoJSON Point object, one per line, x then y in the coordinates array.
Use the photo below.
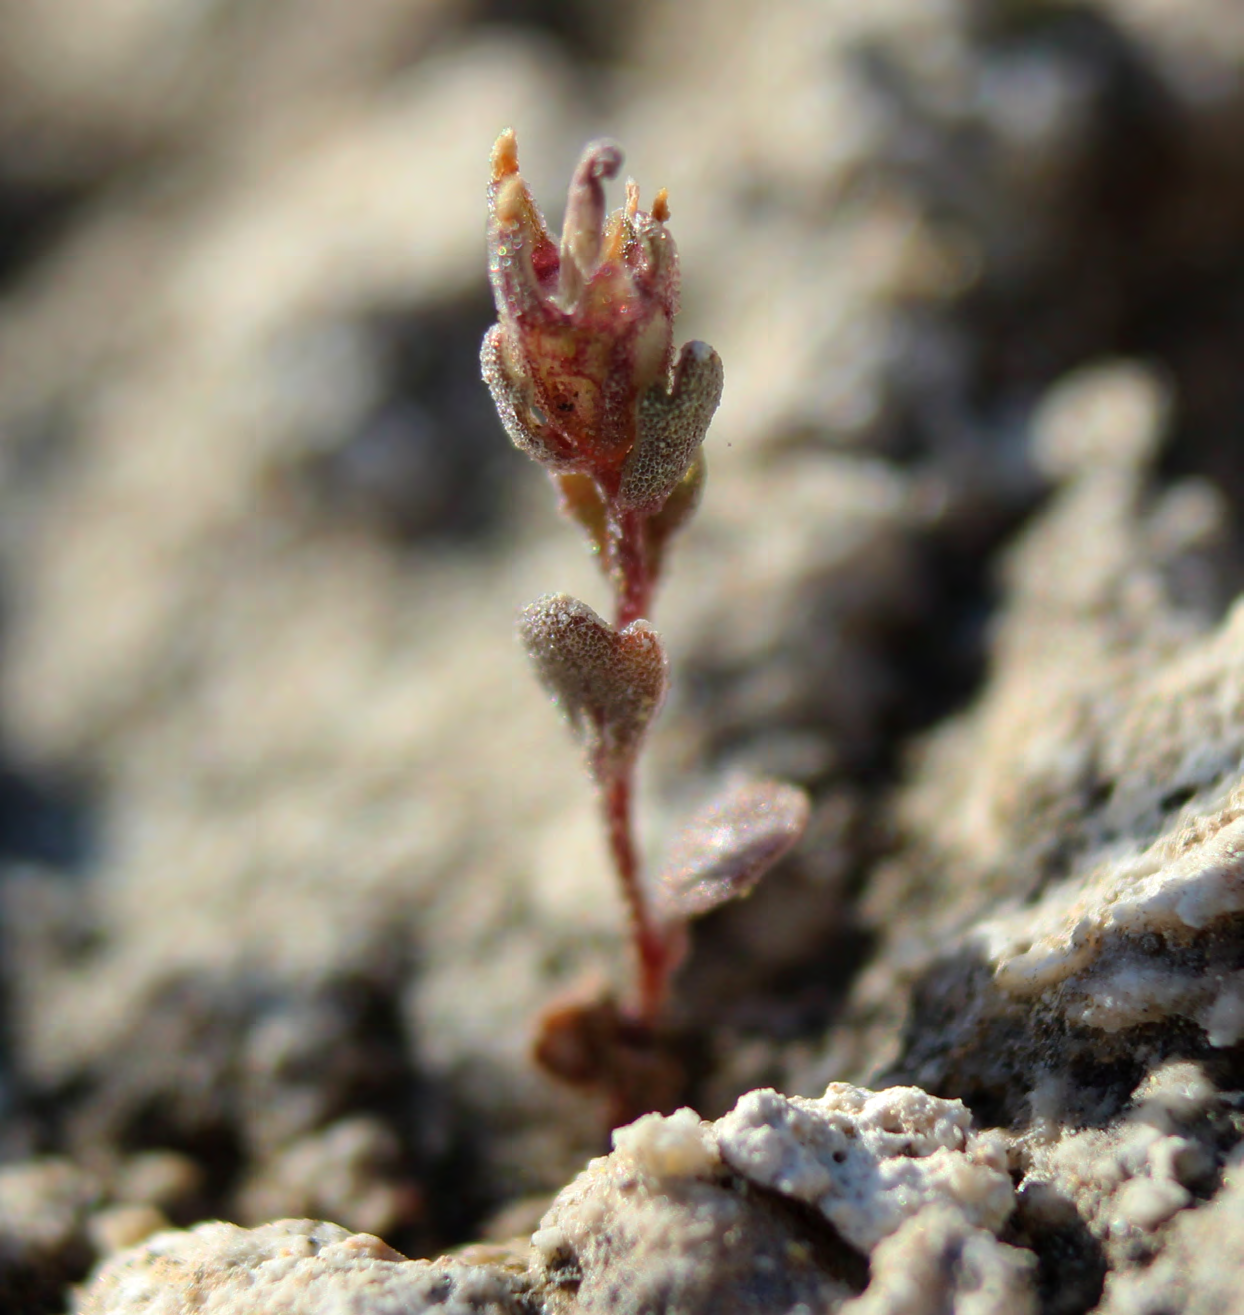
{"type": "Point", "coordinates": [869, 1161]}
{"type": "Point", "coordinates": [662, 1224]}
{"type": "Point", "coordinates": [772, 1209]}
{"type": "Point", "coordinates": [292, 852]}
{"type": "Point", "coordinates": [1198, 1268]}
{"type": "Point", "coordinates": [294, 1265]}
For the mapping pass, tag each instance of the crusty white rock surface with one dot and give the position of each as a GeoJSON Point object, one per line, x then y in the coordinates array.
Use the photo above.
{"type": "Point", "coordinates": [936, 1262]}
{"type": "Point", "coordinates": [691, 1208]}
{"type": "Point", "coordinates": [783, 1205]}
{"type": "Point", "coordinates": [869, 1160]}
{"type": "Point", "coordinates": [1088, 937]}
{"type": "Point", "coordinates": [1197, 1273]}
{"type": "Point", "coordinates": [295, 1266]}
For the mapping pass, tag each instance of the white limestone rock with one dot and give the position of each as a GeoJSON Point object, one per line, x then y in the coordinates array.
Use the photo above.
{"type": "Point", "coordinates": [869, 1160]}
{"type": "Point", "coordinates": [937, 1262]}
{"type": "Point", "coordinates": [1197, 1273]}
{"type": "Point", "coordinates": [716, 1217]}
{"type": "Point", "coordinates": [293, 1266]}
{"type": "Point", "coordinates": [1096, 940]}
{"type": "Point", "coordinates": [784, 1205]}
{"type": "Point", "coordinates": [677, 1146]}
{"type": "Point", "coordinates": [662, 1224]}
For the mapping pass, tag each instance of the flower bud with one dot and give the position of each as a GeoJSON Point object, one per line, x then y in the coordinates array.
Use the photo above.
{"type": "Point", "coordinates": [581, 362]}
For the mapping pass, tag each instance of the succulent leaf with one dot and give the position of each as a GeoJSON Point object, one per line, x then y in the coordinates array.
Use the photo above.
{"type": "Point", "coordinates": [511, 395]}
{"type": "Point", "coordinates": [610, 683]}
{"type": "Point", "coordinates": [728, 846]}
{"type": "Point", "coordinates": [672, 426]}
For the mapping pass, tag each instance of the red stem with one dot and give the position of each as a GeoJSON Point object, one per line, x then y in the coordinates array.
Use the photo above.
{"type": "Point", "coordinates": [630, 562]}
{"type": "Point", "coordinates": [650, 945]}
{"type": "Point", "coordinates": [634, 585]}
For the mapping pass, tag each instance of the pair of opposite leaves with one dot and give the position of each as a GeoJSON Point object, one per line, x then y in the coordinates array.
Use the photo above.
{"type": "Point", "coordinates": [611, 684]}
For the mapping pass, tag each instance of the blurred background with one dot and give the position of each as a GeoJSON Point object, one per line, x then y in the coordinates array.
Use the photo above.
{"type": "Point", "coordinates": [291, 847]}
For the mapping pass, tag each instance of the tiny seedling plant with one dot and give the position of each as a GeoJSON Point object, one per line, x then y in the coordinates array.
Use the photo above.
{"type": "Point", "coordinates": [582, 369]}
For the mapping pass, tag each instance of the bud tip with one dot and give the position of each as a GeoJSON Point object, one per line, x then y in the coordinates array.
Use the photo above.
{"type": "Point", "coordinates": [505, 156]}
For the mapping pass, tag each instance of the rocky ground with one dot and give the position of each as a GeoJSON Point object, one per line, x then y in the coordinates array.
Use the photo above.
{"type": "Point", "coordinates": [292, 849]}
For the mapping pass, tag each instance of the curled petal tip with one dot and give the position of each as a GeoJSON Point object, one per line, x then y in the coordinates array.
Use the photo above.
{"type": "Point", "coordinates": [504, 155]}
{"type": "Point", "coordinates": [585, 215]}
{"type": "Point", "coordinates": [600, 159]}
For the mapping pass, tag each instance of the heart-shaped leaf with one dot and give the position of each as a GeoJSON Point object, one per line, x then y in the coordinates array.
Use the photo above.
{"type": "Point", "coordinates": [671, 426]}
{"type": "Point", "coordinates": [610, 683]}
{"type": "Point", "coordinates": [729, 846]}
